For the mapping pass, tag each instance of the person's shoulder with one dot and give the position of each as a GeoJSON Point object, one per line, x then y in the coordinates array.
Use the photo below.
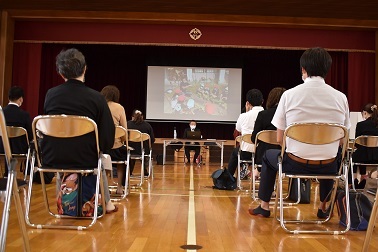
{"type": "Point", "coordinates": [118, 106]}
{"type": "Point", "coordinates": [365, 123]}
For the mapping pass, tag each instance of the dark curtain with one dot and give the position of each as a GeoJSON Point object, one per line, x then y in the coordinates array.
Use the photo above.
{"type": "Point", "coordinates": [338, 74]}
{"type": "Point", "coordinates": [126, 67]}
{"type": "Point", "coordinates": [361, 68]}
{"type": "Point", "coordinates": [26, 74]}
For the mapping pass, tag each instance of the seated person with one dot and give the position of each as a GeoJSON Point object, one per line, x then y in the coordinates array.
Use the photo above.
{"type": "Point", "coordinates": [312, 101]}
{"type": "Point", "coordinates": [263, 122]}
{"type": "Point", "coordinates": [191, 145]}
{"type": "Point", "coordinates": [363, 154]}
{"type": "Point", "coordinates": [119, 151]}
{"type": "Point", "coordinates": [74, 97]}
{"type": "Point", "coordinates": [245, 125]}
{"type": "Point", "coordinates": [137, 122]}
{"type": "Point", "coordinates": [16, 116]}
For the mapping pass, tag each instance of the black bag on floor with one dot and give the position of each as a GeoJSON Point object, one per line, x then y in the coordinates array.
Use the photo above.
{"type": "Point", "coordinates": [223, 180]}
{"type": "Point", "coordinates": [305, 190]}
{"type": "Point", "coordinates": [48, 176]}
{"type": "Point", "coordinates": [360, 210]}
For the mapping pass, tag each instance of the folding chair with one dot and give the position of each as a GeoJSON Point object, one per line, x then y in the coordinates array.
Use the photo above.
{"type": "Point", "coordinates": [265, 136]}
{"type": "Point", "coordinates": [135, 136]}
{"type": "Point", "coordinates": [367, 142]}
{"type": "Point", "coordinates": [14, 132]}
{"type": "Point", "coordinates": [315, 134]}
{"type": "Point", "coordinates": [269, 137]}
{"type": "Point", "coordinates": [244, 138]}
{"type": "Point", "coordinates": [121, 132]}
{"type": "Point", "coordinates": [147, 139]}
{"type": "Point", "coordinates": [8, 186]}
{"type": "Point", "coordinates": [67, 127]}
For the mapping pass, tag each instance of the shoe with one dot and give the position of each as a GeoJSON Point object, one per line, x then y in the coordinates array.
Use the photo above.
{"type": "Point", "coordinates": [359, 185]}
{"type": "Point", "coordinates": [247, 176]}
{"type": "Point", "coordinates": [244, 171]}
{"type": "Point", "coordinates": [323, 215]}
{"type": "Point", "coordinates": [259, 211]}
{"type": "Point", "coordinates": [112, 211]}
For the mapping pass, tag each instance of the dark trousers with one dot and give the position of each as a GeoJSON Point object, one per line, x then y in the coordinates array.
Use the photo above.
{"type": "Point", "coordinates": [233, 161]}
{"type": "Point", "coordinates": [270, 168]}
{"type": "Point", "coordinates": [146, 164]}
{"type": "Point", "coordinates": [196, 153]}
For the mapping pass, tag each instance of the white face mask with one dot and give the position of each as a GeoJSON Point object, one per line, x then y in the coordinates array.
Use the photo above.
{"type": "Point", "coordinates": [192, 127]}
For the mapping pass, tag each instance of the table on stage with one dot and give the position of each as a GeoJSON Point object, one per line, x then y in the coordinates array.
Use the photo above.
{"type": "Point", "coordinates": [180, 141]}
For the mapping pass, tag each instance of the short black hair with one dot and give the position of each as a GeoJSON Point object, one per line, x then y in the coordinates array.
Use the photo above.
{"type": "Point", "coordinates": [316, 61]}
{"type": "Point", "coordinates": [15, 93]}
{"type": "Point", "coordinates": [70, 63]}
{"type": "Point", "coordinates": [255, 97]}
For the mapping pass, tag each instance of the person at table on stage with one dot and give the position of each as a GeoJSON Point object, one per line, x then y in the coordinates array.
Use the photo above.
{"type": "Point", "coordinates": [191, 146]}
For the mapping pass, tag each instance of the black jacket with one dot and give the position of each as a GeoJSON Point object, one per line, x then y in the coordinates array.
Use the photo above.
{"type": "Point", "coordinates": [75, 98]}
{"type": "Point", "coordinates": [143, 127]}
{"type": "Point", "coordinates": [363, 154]}
{"type": "Point", "coordinates": [15, 116]}
{"type": "Point", "coordinates": [263, 122]}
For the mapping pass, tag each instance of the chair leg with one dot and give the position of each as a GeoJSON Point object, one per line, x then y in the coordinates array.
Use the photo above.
{"type": "Point", "coordinates": [12, 188]}
{"type": "Point", "coordinates": [373, 218]}
{"type": "Point", "coordinates": [20, 214]}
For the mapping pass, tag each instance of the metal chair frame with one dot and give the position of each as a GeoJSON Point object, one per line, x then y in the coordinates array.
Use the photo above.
{"type": "Point", "coordinates": [139, 137]}
{"type": "Point", "coordinates": [244, 138]}
{"type": "Point", "coordinates": [266, 136]}
{"type": "Point", "coordinates": [121, 132]}
{"type": "Point", "coordinates": [13, 132]}
{"type": "Point", "coordinates": [11, 188]}
{"type": "Point", "coordinates": [368, 142]}
{"type": "Point", "coordinates": [315, 134]}
{"type": "Point", "coordinates": [63, 126]}
{"type": "Point", "coordinates": [270, 137]}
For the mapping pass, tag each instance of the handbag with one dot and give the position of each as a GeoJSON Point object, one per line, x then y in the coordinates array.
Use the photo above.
{"type": "Point", "coordinates": [305, 190]}
{"type": "Point", "coordinates": [360, 209]}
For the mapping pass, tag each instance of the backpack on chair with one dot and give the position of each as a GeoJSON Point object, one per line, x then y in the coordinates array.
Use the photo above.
{"type": "Point", "coordinates": [223, 180]}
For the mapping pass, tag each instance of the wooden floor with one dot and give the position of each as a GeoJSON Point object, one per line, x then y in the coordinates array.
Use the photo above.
{"type": "Point", "coordinates": [178, 207]}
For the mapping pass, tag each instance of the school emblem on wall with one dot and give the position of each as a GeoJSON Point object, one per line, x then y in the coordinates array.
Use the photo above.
{"type": "Point", "coordinates": [195, 33]}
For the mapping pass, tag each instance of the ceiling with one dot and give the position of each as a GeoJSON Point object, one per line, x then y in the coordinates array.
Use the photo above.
{"type": "Point", "coordinates": [336, 9]}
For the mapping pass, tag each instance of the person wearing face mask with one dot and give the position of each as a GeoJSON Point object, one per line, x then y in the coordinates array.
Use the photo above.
{"type": "Point", "coordinates": [191, 146]}
{"type": "Point", "coordinates": [369, 126]}
{"type": "Point", "coordinates": [245, 125]}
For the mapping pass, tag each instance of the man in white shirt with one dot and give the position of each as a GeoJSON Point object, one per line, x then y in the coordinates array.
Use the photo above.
{"type": "Point", "coordinates": [245, 125]}
{"type": "Point", "coordinates": [312, 101]}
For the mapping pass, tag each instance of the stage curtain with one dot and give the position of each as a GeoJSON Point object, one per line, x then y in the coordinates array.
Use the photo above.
{"type": "Point", "coordinates": [361, 79]}
{"type": "Point", "coordinates": [337, 76]}
{"type": "Point", "coordinates": [126, 67]}
{"type": "Point", "coordinates": [27, 72]}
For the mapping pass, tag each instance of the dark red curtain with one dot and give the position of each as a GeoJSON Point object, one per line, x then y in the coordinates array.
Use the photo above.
{"type": "Point", "coordinates": [338, 74]}
{"type": "Point", "coordinates": [26, 74]}
{"type": "Point", "coordinates": [361, 79]}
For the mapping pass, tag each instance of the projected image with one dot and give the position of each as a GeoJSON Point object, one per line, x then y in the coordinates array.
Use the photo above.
{"type": "Point", "coordinates": [177, 93]}
{"type": "Point", "coordinates": [196, 91]}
